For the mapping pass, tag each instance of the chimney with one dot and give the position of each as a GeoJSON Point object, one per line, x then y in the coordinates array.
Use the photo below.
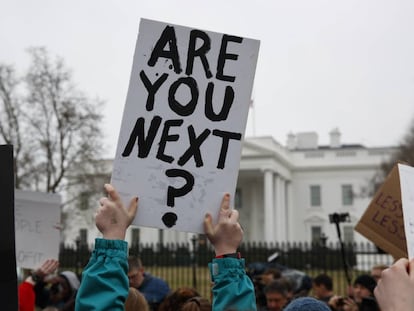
{"type": "Point", "coordinates": [291, 141]}
{"type": "Point", "coordinates": [335, 138]}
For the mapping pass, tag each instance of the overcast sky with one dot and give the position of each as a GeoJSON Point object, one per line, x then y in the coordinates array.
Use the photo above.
{"type": "Point", "coordinates": [322, 64]}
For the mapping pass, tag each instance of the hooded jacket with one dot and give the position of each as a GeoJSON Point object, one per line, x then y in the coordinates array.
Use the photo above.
{"type": "Point", "coordinates": [105, 282]}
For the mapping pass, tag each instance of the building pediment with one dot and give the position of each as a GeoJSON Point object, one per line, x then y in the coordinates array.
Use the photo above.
{"type": "Point", "coordinates": [251, 149]}
{"type": "Point", "coordinates": [316, 218]}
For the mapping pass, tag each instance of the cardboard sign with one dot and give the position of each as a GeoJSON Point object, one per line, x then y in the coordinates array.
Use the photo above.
{"type": "Point", "coordinates": [37, 225]}
{"type": "Point", "coordinates": [383, 221]}
{"type": "Point", "coordinates": [407, 198]}
{"type": "Point", "coordinates": [184, 120]}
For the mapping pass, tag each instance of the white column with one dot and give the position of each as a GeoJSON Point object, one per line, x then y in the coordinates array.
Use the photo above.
{"type": "Point", "coordinates": [278, 222]}
{"type": "Point", "coordinates": [256, 210]}
{"type": "Point", "coordinates": [282, 208]}
{"type": "Point", "coordinates": [268, 206]}
{"type": "Point", "coordinates": [289, 211]}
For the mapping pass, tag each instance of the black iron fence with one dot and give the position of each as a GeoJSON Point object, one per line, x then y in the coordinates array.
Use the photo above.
{"type": "Point", "coordinates": [186, 264]}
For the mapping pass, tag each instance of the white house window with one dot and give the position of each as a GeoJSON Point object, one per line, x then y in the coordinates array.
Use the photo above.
{"type": "Point", "coordinates": [347, 195]}
{"type": "Point", "coordinates": [348, 234]}
{"type": "Point", "coordinates": [316, 234]}
{"type": "Point", "coordinates": [84, 200]}
{"type": "Point", "coordinates": [135, 235]}
{"type": "Point", "coordinates": [238, 199]}
{"type": "Point", "coordinates": [83, 236]}
{"type": "Point", "coordinates": [315, 195]}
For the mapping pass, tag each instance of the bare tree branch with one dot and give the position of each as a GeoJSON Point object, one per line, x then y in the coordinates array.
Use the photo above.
{"type": "Point", "coordinates": [54, 127]}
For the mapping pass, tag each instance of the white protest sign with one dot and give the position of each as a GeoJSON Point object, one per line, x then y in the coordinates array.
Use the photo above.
{"type": "Point", "coordinates": [407, 200]}
{"type": "Point", "coordinates": [184, 120]}
{"type": "Point", "coordinates": [37, 225]}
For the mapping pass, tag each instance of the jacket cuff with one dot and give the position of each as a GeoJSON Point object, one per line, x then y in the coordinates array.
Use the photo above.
{"type": "Point", "coordinates": [223, 266]}
{"type": "Point", "coordinates": [116, 246]}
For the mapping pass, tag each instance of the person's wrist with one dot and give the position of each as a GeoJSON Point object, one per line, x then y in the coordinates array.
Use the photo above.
{"type": "Point", "coordinates": [114, 235]}
{"type": "Point", "coordinates": [35, 278]}
{"type": "Point", "coordinates": [223, 251]}
{"type": "Point", "coordinates": [230, 255]}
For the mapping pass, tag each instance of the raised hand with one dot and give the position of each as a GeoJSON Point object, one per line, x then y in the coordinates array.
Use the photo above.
{"type": "Point", "coordinates": [227, 234]}
{"type": "Point", "coordinates": [395, 289]}
{"type": "Point", "coordinates": [112, 218]}
{"type": "Point", "coordinates": [49, 266]}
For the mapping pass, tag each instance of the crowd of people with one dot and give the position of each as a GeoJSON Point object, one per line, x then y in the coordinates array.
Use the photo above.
{"type": "Point", "coordinates": [115, 280]}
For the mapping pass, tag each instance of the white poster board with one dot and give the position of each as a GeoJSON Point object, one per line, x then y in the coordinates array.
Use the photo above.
{"type": "Point", "coordinates": [184, 120]}
{"type": "Point", "coordinates": [407, 200]}
{"type": "Point", "coordinates": [37, 225]}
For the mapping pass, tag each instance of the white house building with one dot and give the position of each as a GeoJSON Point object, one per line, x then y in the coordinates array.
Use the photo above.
{"type": "Point", "coordinates": [284, 193]}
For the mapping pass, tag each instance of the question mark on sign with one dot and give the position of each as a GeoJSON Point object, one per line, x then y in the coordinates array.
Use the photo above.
{"type": "Point", "coordinates": [169, 219]}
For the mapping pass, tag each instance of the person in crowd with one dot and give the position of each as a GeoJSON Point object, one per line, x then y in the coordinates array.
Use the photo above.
{"type": "Point", "coordinates": [377, 270]}
{"type": "Point", "coordinates": [136, 301]}
{"type": "Point", "coordinates": [396, 286]}
{"type": "Point", "coordinates": [363, 298]}
{"type": "Point", "coordinates": [289, 284]}
{"type": "Point", "coordinates": [302, 289]}
{"type": "Point", "coordinates": [63, 290]}
{"type": "Point", "coordinates": [105, 282]}
{"type": "Point", "coordinates": [306, 304]}
{"type": "Point", "coordinates": [269, 275]}
{"type": "Point", "coordinates": [322, 287]}
{"type": "Point", "coordinates": [26, 293]}
{"type": "Point", "coordinates": [197, 304]}
{"type": "Point", "coordinates": [178, 298]}
{"type": "Point", "coordinates": [232, 287]}
{"type": "Point", "coordinates": [277, 295]}
{"type": "Point", "coordinates": [153, 288]}
{"type": "Point", "coordinates": [363, 292]}
{"type": "Point", "coordinates": [261, 281]}
{"type": "Point", "coordinates": [57, 290]}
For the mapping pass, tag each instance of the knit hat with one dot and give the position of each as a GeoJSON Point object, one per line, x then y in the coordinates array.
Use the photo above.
{"type": "Point", "coordinates": [72, 279]}
{"type": "Point", "coordinates": [366, 281]}
{"type": "Point", "coordinates": [306, 304]}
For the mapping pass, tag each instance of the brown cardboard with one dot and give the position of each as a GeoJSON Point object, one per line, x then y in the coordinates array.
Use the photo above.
{"type": "Point", "coordinates": [383, 222]}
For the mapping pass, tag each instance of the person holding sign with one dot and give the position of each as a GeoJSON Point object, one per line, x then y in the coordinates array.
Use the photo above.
{"type": "Point", "coordinates": [105, 283]}
{"type": "Point", "coordinates": [153, 288]}
{"type": "Point", "coordinates": [232, 289]}
{"type": "Point", "coordinates": [26, 291]}
{"type": "Point", "coordinates": [394, 290]}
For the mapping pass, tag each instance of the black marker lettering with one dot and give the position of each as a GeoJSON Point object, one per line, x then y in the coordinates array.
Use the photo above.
{"type": "Point", "coordinates": [188, 109]}
{"type": "Point", "coordinates": [194, 149]}
{"type": "Point", "coordinates": [137, 134]}
{"type": "Point", "coordinates": [172, 192]}
{"type": "Point", "coordinates": [223, 56]}
{"type": "Point", "coordinates": [165, 137]}
{"type": "Point", "coordinates": [200, 52]}
{"type": "Point", "coordinates": [225, 109]}
{"type": "Point", "coordinates": [167, 36]}
{"type": "Point", "coordinates": [151, 88]}
{"type": "Point", "coordinates": [225, 145]}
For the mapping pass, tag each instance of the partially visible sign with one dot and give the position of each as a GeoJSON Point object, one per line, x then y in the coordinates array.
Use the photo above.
{"type": "Point", "coordinates": [37, 225]}
{"type": "Point", "coordinates": [389, 219]}
{"type": "Point", "coordinates": [407, 197]}
{"type": "Point", "coordinates": [185, 115]}
{"type": "Point", "coordinates": [383, 222]}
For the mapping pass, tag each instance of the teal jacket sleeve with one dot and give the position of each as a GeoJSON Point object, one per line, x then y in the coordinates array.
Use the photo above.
{"type": "Point", "coordinates": [232, 289]}
{"type": "Point", "coordinates": [104, 284]}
